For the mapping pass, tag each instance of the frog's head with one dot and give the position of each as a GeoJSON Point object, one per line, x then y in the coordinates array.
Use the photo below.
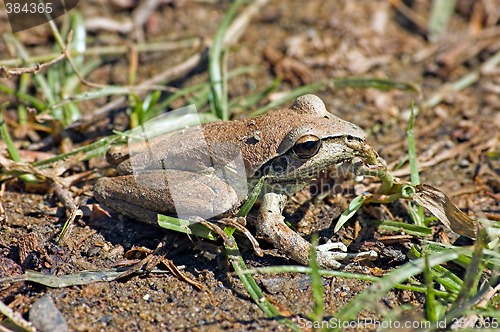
{"type": "Point", "coordinates": [316, 141]}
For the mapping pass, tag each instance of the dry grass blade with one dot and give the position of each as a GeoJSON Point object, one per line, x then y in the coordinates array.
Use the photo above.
{"type": "Point", "coordinates": [178, 273]}
{"type": "Point", "coordinates": [65, 197]}
{"type": "Point", "coordinates": [103, 50]}
{"type": "Point", "coordinates": [240, 23]}
{"type": "Point", "coordinates": [439, 17]}
{"type": "Point", "coordinates": [16, 319]}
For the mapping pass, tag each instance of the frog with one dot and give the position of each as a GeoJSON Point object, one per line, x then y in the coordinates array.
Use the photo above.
{"type": "Point", "coordinates": [285, 148]}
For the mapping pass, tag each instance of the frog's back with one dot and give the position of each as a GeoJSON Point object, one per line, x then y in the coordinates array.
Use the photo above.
{"type": "Point", "coordinates": [262, 138]}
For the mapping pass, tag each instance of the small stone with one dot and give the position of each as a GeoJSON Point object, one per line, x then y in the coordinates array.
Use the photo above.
{"type": "Point", "coordinates": [45, 316]}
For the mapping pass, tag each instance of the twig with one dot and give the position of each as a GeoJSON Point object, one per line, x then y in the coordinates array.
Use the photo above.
{"type": "Point", "coordinates": [108, 24]}
{"type": "Point", "coordinates": [242, 229]}
{"type": "Point", "coordinates": [446, 154]}
{"type": "Point", "coordinates": [9, 72]}
{"type": "Point", "coordinates": [141, 14]}
{"type": "Point", "coordinates": [411, 15]}
{"type": "Point", "coordinates": [133, 64]}
{"type": "Point", "coordinates": [179, 70]}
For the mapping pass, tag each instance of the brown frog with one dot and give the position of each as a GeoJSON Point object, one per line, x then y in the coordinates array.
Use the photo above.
{"type": "Point", "coordinates": [288, 147]}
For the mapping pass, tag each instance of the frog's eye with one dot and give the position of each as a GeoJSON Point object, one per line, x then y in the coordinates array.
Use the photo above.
{"type": "Point", "coordinates": [307, 146]}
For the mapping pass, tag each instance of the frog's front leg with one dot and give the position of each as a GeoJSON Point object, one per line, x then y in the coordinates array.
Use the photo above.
{"type": "Point", "coordinates": [271, 225]}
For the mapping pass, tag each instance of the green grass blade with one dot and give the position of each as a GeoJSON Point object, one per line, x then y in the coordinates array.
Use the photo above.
{"type": "Point", "coordinates": [380, 288]}
{"type": "Point", "coordinates": [377, 83]}
{"type": "Point", "coordinates": [291, 95]}
{"type": "Point", "coordinates": [11, 148]}
{"type": "Point", "coordinates": [92, 150]}
{"type": "Point", "coordinates": [416, 211]}
{"type": "Point", "coordinates": [89, 95]}
{"type": "Point", "coordinates": [397, 226]}
{"type": "Point", "coordinates": [353, 207]}
{"type": "Point", "coordinates": [72, 82]}
{"type": "Point", "coordinates": [316, 284]}
{"type": "Point", "coordinates": [216, 72]}
{"type": "Point", "coordinates": [179, 94]}
{"type": "Point", "coordinates": [198, 88]}
{"type": "Point", "coordinates": [43, 85]}
{"type": "Point", "coordinates": [249, 101]}
{"type": "Point", "coordinates": [79, 40]}
{"type": "Point", "coordinates": [251, 286]}
{"type": "Point", "coordinates": [338, 274]}
{"type": "Point", "coordinates": [186, 227]}
{"type": "Point", "coordinates": [412, 150]}
{"type": "Point", "coordinates": [473, 272]}
{"type": "Point", "coordinates": [23, 86]}
{"type": "Point", "coordinates": [252, 198]}
{"type": "Point", "coordinates": [450, 281]}
{"type": "Point", "coordinates": [430, 297]}
{"type": "Point", "coordinates": [24, 97]}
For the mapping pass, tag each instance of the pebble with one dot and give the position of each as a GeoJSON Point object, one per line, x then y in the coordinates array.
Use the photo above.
{"type": "Point", "coordinates": [45, 316]}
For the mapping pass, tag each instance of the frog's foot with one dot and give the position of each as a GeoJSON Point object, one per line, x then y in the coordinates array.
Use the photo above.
{"type": "Point", "coordinates": [330, 259]}
{"type": "Point", "coordinates": [343, 255]}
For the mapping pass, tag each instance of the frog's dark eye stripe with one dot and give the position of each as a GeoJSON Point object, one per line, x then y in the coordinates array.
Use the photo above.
{"type": "Point", "coordinates": [307, 146]}
{"type": "Point", "coordinates": [280, 164]}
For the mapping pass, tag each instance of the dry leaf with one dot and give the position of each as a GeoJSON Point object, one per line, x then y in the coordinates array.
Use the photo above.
{"type": "Point", "coordinates": [446, 211]}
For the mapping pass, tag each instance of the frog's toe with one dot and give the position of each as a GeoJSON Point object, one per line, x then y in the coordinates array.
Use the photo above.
{"type": "Point", "coordinates": [332, 246]}
{"type": "Point", "coordinates": [330, 259]}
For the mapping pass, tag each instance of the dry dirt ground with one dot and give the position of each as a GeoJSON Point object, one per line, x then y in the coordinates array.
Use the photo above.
{"type": "Point", "coordinates": [302, 42]}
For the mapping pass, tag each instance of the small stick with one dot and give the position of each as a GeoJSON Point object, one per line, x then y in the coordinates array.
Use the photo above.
{"type": "Point", "coordinates": [9, 72]}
